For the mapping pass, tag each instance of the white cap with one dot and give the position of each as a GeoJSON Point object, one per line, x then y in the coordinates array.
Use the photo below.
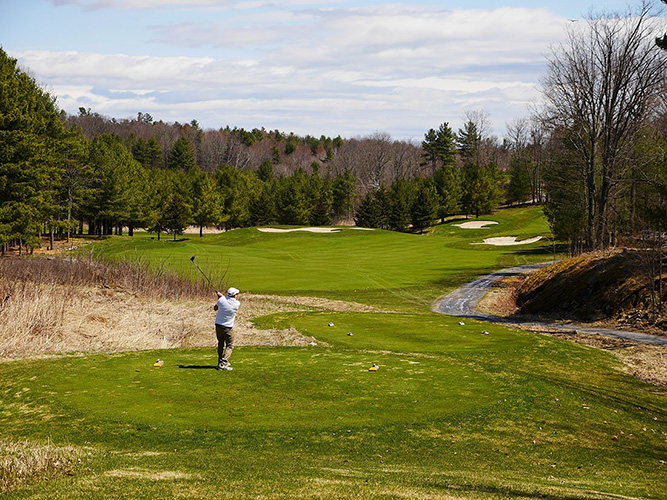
{"type": "Point", "coordinates": [232, 292]}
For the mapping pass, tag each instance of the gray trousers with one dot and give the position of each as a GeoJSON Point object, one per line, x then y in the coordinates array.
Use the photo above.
{"type": "Point", "coordinates": [225, 343]}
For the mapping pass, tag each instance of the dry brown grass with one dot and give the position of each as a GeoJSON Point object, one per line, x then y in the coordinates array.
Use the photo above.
{"type": "Point", "coordinates": [23, 462]}
{"type": "Point", "coordinates": [52, 306]}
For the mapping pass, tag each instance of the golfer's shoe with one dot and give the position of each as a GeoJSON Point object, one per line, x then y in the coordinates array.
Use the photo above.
{"type": "Point", "coordinates": [227, 367]}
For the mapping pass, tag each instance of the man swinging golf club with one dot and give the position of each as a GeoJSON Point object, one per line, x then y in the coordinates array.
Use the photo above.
{"type": "Point", "coordinates": [227, 307]}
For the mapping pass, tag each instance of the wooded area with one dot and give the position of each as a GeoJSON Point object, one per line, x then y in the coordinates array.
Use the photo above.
{"type": "Point", "coordinates": [595, 154]}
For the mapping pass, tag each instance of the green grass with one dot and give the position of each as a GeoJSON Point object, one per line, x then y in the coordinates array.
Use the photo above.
{"type": "Point", "coordinates": [376, 267]}
{"type": "Point", "coordinates": [451, 413]}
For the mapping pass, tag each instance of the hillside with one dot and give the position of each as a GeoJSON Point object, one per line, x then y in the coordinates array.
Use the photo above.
{"type": "Point", "coordinates": [618, 286]}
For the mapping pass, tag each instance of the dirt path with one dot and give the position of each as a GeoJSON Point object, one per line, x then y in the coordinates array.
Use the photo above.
{"type": "Point", "coordinates": [463, 301]}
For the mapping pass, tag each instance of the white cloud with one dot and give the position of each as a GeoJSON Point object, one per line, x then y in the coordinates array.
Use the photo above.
{"type": "Point", "coordinates": [91, 5]}
{"type": "Point", "coordinates": [140, 4]}
{"type": "Point", "coordinates": [335, 70]}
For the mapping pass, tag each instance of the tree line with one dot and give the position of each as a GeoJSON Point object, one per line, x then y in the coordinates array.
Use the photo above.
{"type": "Point", "coordinates": [594, 154]}
{"type": "Point", "coordinates": [63, 174]}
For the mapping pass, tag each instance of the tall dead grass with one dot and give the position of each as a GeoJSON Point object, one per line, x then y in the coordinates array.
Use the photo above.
{"type": "Point", "coordinates": [136, 275]}
{"type": "Point", "coordinates": [52, 306]}
{"type": "Point", "coordinates": [23, 461]}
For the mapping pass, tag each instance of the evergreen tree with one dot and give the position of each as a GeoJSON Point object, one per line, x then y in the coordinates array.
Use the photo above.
{"type": "Point", "coordinates": [153, 154]}
{"type": "Point", "coordinates": [107, 205]}
{"type": "Point", "coordinates": [321, 213]}
{"type": "Point", "coordinates": [265, 171]}
{"type": "Point", "coordinates": [176, 215]}
{"type": "Point", "coordinates": [519, 189]}
{"type": "Point", "coordinates": [263, 207]}
{"type": "Point", "coordinates": [400, 195]}
{"type": "Point", "coordinates": [473, 188]}
{"type": "Point", "coordinates": [235, 188]}
{"type": "Point", "coordinates": [481, 191]}
{"type": "Point", "coordinates": [469, 142]}
{"type": "Point", "coordinates": [425, 206]}
{"type": "Point", "coordinates": [447, 181]}
{"type": "Point", "coordinates": [31, 165]}
{"type": "Point", "coordinates": [343, 195]}
{"type": "Point", "coordinates": [182, 155]}
{"type": "Point", "coordinates": [383, 207]}
{"type": "Point", "coordinates": [368, 213]}
{"type": "Point", "coordinates": [147, 152]}
{"type": "Point", "coordinates": [205, 202]}
{"type": "Point", "coordinates": [293, 208]}
{"type": "Point", "coordinates": [439, 147]}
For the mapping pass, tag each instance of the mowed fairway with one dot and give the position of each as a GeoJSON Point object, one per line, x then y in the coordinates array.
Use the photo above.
{"type": "Point", "coordinates": [375, 267]}
{"type": "Point", "coordinates": [451, 413]}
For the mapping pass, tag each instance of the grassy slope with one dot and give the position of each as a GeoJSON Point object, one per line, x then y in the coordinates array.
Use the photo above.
{"type": "Point", "coordinates": [377, 267]}
{"type": "Point", "coordinates": [450, 414]}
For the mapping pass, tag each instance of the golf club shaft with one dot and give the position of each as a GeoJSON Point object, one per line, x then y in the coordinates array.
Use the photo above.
{"type": "Point", "coordinates": [203, 273]}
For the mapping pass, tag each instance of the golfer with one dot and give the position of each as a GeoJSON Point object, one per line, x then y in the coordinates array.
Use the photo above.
{"type": "Point", "coordinates": [227, 307]}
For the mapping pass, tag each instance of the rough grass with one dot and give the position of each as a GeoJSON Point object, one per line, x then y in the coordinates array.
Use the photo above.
{"type": "Point", "coordinates": [53, 306]}
{"type": "Point", "coordinates": [22, 462]}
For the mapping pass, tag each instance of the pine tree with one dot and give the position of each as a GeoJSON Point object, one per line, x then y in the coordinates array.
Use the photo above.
{"type": "Point", "coordinates": [425, 206]}
{"type": "Point", "coordinates": [32, 164]}
{"type": "Point", "coordinates": [265, 171]}
{"type": "Point", "coordinates": [343, 195]}
{"type": "Point", "coordinates": [400, 195]}
{"type": "Point", "coordinates": [263, 207]}
{"type": "Point", "coordinates": [176, 215]}
{"type": "Point", "coordinates": [469, 142]}
{"type": "Point", "coordinates": [439, 147]}
{"type": "Point", "coordinates": [206, 206]}
{"type": "Point", "coordinates": [383, 207]}
{"type": "Point", "coordinates": [182, 155]}
{"type": "Point", "coordinates": [447, 181]}
{"type": "Point", "coordinates": [368, 213]}
{"type": "Point", "coordinates": [321, 213]}
{"type": "Point", "coordinates": [519, 188]}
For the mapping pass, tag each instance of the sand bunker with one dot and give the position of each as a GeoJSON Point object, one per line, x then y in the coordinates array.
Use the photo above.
{"type": "Point", "coordinates": [476, 224]}
{"type": "Point", "coordinates": [363, 228]}
{"type": "Point", "coordinates": [504, 241]}
{"type": "Point", "coordinates": [309, 229]}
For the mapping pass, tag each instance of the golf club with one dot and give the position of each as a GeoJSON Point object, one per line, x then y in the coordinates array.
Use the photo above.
{"type": "Point", "coordinates": [192, 259]}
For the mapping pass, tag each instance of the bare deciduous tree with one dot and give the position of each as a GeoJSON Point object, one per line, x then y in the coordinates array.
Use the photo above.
{"type": "Point", "coordinates": [600, 86]}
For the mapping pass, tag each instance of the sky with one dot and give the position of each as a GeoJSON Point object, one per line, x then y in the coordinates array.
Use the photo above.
{"type": "Point", "coordinates": [317, 67]}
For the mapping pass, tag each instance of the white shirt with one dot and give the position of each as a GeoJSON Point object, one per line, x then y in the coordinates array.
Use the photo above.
{"type": "Point", "coordinates": [227, 309]}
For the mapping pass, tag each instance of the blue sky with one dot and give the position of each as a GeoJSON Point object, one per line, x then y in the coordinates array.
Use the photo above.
{"type": "Point", "coordinates": [305, 66]}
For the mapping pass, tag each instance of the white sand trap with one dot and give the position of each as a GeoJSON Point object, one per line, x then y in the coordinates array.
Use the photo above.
{"type": "Point", "coordinates": [309, 229]}
{"type": "Point", "coordinates": [476, 224]}
{"type": "Point", "coordinates": [363, 228]}
{"type": "Point", "coordinates": [504, 241]}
